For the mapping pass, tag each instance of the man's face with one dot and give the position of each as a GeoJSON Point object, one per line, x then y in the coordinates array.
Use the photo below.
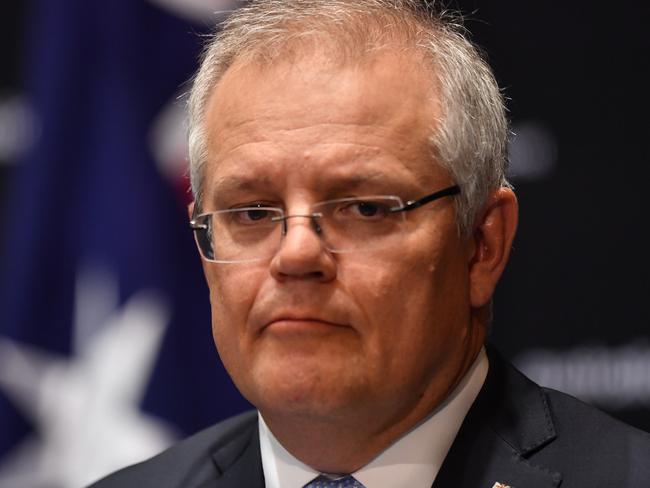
{"type": "Point", "coordinates": [312, 333]}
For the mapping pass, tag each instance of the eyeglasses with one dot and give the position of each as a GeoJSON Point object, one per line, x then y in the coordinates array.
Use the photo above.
{"type": "Point", "coordinates": [254, 233]}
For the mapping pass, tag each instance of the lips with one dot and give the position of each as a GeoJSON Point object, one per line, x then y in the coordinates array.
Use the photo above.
{"type": "Point", "coordinates": [297, 311]}
{"type": "Point", "coordinates": [301, 321]}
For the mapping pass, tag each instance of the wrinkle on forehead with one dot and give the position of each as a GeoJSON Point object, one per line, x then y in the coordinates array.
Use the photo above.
{"type": "Point", "coordinates": [248, 144]}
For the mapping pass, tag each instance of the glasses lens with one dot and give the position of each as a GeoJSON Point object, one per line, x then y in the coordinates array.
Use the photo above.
{"type": "Point", "coordinates": [239, 235]}
{"type": "Point", "coordinates": [353, 224]}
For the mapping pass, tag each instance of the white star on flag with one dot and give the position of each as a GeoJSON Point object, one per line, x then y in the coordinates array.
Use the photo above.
{"type": "Point", "coordinates": [85, 408]}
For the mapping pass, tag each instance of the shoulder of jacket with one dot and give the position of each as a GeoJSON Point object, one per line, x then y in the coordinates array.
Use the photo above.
{"type": "Point", "coordinates": [190, 456]}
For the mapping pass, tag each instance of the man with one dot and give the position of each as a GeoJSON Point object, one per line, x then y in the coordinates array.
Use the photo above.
{"type": "Point", "coordinates": [353, 217]}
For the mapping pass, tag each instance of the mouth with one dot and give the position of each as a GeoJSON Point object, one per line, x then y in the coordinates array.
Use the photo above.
{"type": "Point", "coordinates": [301, 324]}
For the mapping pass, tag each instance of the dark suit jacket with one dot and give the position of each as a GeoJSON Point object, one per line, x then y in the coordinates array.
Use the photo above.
{"type": "Point", "coordinates": [516, 433]}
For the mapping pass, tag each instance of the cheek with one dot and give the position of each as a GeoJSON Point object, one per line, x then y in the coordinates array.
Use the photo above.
{"type": "Point", "coordinates": [233, 287]}
{"type": "Point", "coordinates": [393, 297]}
{"type": "Point", "coordinates": [412, 306]}
{"type": "Point", "coordinates": [232, 293]}
{"type": "Point", "coordinates": [395, 324]}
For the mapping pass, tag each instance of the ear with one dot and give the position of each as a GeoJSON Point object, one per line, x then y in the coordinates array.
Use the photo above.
{"type": "Point", "coordinates": [190, 210]}
{"type": "Point", "coordinates": [493, 235]}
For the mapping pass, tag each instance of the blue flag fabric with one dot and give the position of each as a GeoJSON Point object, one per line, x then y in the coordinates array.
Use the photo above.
{"type": "Point", "coordinates": [98, 242]}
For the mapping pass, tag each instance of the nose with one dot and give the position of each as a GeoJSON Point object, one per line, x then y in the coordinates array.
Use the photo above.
{"type": "Point", "coordinates": [302, 253]}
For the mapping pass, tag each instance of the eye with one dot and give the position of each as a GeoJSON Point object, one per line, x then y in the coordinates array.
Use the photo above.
{"type": "Point", "coordinates": [366, 209]}
{"type": "Point", "coordinates": [257, 213]}
{"type": "Point", "coordinates": [253, 215]}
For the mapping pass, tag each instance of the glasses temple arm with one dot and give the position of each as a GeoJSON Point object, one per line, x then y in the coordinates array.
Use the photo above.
{"type": "Point", "coordinates": [413, 204]}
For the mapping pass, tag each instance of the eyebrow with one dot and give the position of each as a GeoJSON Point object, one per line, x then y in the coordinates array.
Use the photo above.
{"type": "Point", "coordinates": [240, 183]}
{"type": "Point", "coordinates": [354, 181]}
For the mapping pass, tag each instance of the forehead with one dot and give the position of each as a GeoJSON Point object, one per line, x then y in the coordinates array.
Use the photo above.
{"type": "Point", "coordinates": [314, 113]}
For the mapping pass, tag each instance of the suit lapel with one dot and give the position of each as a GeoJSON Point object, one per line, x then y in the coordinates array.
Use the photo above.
{"type": "Point", "coordinates": [509, 421]}
{"type": "Point", "coordinates": [238, 462]}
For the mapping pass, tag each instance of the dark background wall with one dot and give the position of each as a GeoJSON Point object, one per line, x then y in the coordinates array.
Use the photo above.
{"type": "Point", "coordinates": [572, 308]}
{"type": "Point", "coordinates": [12, 15]}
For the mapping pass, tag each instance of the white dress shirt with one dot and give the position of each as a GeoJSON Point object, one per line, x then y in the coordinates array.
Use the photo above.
{"type": "Point", "coordinates": [413, 460]}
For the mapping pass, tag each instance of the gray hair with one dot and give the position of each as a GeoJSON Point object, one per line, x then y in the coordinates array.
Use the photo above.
{"type": "Point", "coordinates": [469, 140]}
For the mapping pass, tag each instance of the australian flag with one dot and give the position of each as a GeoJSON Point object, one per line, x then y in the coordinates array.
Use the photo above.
{"type": "Point", "coordinates": [106, 354]}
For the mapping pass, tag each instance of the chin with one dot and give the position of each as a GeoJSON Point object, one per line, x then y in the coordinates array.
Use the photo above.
{"type": "Point", "coordinates": [299, 388]}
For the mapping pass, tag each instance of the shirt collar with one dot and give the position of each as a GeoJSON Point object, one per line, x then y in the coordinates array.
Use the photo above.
{"type": "Point", "coordinates": [413, 460]}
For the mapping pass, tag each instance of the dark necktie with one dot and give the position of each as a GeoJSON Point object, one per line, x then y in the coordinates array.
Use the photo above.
{"type": "Point", "coordinates": [324, 482]}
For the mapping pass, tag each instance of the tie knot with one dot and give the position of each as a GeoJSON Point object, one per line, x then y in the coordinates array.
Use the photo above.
{"type": "Point", "coordinates": [325, 482]}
